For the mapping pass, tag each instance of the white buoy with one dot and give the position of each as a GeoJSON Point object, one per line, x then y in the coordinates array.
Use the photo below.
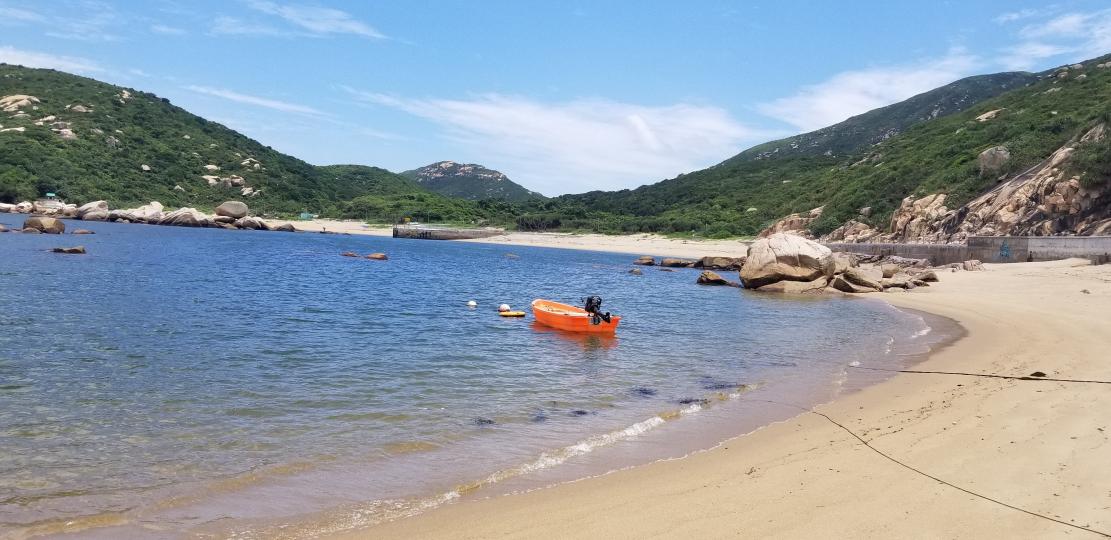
{"type": "Point", "coordinates": [503, 307]}
{"type": "Point", "coordinates": [471, 303]}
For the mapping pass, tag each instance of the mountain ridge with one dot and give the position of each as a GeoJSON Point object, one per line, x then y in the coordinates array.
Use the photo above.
{"type": "Point", "coordinates": [469, 181]}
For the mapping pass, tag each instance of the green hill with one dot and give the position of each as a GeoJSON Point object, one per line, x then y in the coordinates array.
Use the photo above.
{"type": "Point", "coordinates": [87, 140]}
{"type": "Point", "coordinates": [469, 181]}
{"type": "Point", "coordinates": [840, 168]}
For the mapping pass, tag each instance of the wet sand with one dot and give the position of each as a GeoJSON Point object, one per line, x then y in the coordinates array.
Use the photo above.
{"type": "Point", "coordinates": [1041, 446]}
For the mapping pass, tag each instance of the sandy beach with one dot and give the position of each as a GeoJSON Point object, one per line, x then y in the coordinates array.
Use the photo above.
{"type": "Point", "coordinates": [1037, 446]}
{"type": "Point", "coordinates": [634, 244]}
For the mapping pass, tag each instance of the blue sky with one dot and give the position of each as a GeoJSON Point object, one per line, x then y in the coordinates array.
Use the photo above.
{"type": "Point", "coordinates": [561, 96]}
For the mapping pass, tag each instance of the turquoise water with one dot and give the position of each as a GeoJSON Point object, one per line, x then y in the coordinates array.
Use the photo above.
{"type": "Point", "coordinates": [176, 381]}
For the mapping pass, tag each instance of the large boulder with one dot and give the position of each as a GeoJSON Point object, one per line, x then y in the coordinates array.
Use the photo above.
{"type": "Point", "coordinates": [797, 287]}
{"type": "Point", "coordinates": [840, 262]}
{"type": "Point", "coordinates": [286, 227]}
{"type": "Point", "coordinates": [186, 217]}
{"type": "Point", "coordinates": [844, 285]}
{"type": "Point", "coordinates": [785, 257]}
{"type": "Point", "coordinates": [24, 207]}
{"type": "Point", "coordinates": [3, 228]}
{"type": "Point", "coordinates": [869, 277]}
{"type": "Point", "coordinates": [48, 207]}
{"type": "Point", "coordinates": [232, 209]}
{"type": "Point", "coordinates": [645, 260]}
{"type": "Point", "coordinates": [94, 211]}
{"type": "Point", "coordinates": [712, 278]}
{"type": "Point", "coordinates": [43, 224]}
{"type": "Point", "coordinates": [993, 159]}
{"type": "Point", "coordinates": [6, 208]}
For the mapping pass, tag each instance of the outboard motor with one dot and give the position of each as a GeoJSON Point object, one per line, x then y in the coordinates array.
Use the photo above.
{"type": "Point", "coordinates": [593, 306]}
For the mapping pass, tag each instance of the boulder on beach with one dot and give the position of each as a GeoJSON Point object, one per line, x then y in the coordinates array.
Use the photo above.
{"type": "Point", "coordinates": [926, 277]}
{"type": "Point", "coordinates": [378, 257]}
{"type": "Point", "coordinates": [43, 224]}
{"type": "Point", "coordinates": [186, 217]}
{"type": "Point", "coordinates": [148, 213]}
{"type": "Point", "coordinates": [24, 207]}
{"type": "Point", "coordinates": [708, 277]}
{"type": "Point", "coordinates": [93, 211]}
{"type": "Point", "coordinates": [232, 209]}
{"type": "Point", "coordinates": [785, 257]}
{"type": "Point", "coordinates": [77, 250]}
{"type": "Point", "coordinates": [864, 277]}
{"type": "Point", "coordinates": [844, 285]}
{"type": "Point", "coordinates": [224, 219]}
{"type": "Point", "coordinates": [6, 208]}
{"type": "Point", "coordinates": [645, 260]}
{"type": "Point", "coordinates": [676, 263]}
{"type": "Point", "coordinates": [286, 227]}
{"type": "Point", "coordinates": [841, 262]}
{"type": "Point", "coordinates": [890, 269]}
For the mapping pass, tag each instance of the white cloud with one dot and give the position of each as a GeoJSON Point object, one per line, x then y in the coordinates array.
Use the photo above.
{"type": "Point", "coordinates": [11, 55]}
{"type": "Point", "coordinates": [854, 92]}
{"type": "Point", "coordinates": [10, 14]}
{"type": "Point", "coordinates": [1019, 15]}
{"type": "Point", "coordinates": [167, 30]}
{"type": "Point", "coordinates": [255, 100]}
{"type": "Point", "coordinates": [230, 26]}
{"type": "Point", "coordinates": [316, 19]}
{"type": "Point", "coordinates": [1069, 37]}
{"type": "Point", "coordinates": [580, 145]}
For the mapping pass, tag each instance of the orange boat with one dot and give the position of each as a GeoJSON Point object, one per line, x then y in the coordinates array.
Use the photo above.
{"type": "Point", "coordinates": [570, 318]}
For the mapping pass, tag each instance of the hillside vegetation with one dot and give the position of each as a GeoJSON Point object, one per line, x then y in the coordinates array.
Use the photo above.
{"type": "Point", "coordinates": [469, 181]}
{"type": "Point", "coordinates": [87, 140]}
{"type": "Point", "coordinates": [923, 154]}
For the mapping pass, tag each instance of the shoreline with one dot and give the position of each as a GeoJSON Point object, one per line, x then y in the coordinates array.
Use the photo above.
{"type": "Point", "coordinates": [954, 427]}
{"type": "Point", "coordinates": [632, 244]}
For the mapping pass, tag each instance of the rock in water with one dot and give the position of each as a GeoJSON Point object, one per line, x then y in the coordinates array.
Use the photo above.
{"type": "Point", "coordinates": [636, 272]}
{"type": "Point", "coordinates": [645, 260]}
{"type": "Point", "coordinates": [720, 263]}
{"type": "Point", "coordinates": [286, 227]}
{"type": "Point", "coordinates": [45, 224]}
{"type": "Point", "coordinates": [378, 256]}
{"type": "Point", "coordinates": [785, 257]}
{"type": "Point", "coordinates": [232, 209]}
{"type": "Point", "coordinates": [349, 254]}
{"type": "Point", "coordinates": [83, 231]}
{"type": "Point", "coordinates": [3, 228]}
{"type": "Point", "coordinates": [78, 250]}
{"type": "Point", "coordinates": [676, 263]}
{"type": "Point", "coordinates": [797, 287]}
{"type": "Point", "coordinates": [251, 223]}
{"type": "Point", "coordinates": [712, 278]}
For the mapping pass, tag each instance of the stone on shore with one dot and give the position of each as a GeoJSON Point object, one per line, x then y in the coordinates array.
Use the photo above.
{"type": "Point", "coordinates": [840, 283]}
{"type": "Point", "coordinates": [232, 209]}
{"type": "Point", "coordinates": [47, 225]}
{"type": "Point", "coordinates": [94, 211]}
{"type": "Point", "coordinates": [865, 277]}
{"type": "Point", "coordinates": [785, 257]}
{"type": "Point", "coordinates": [148, 213]}
{"type": "Point", "coordinates": [251, 223]}
{"type": "Point", "coordinates": [6, 208]}
{"type": "Point", "coordinates": [286, 227]}
{"type": "Point", "coordinates": [24, 207]}
{"type": "Point", "coordinates": [645, 260]}
{"type": "Point", "coordinates": [77, 250]}
{"type": "Point", "coordinates": [708, 277]}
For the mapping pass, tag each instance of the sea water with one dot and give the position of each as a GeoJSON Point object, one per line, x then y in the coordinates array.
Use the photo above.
{"type": "Point", "coordinates": [177, 381]}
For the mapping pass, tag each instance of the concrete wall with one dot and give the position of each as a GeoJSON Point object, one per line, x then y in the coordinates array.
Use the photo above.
{"type": "Point", "coordinates": [443, 233]}
{"type": "Point", "coordinates": [995, 249]}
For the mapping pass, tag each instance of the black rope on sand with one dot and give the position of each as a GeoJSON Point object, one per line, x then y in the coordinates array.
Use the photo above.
{"type": "Point", "coordinates": [986, 375]}
{"type": "Point", "coordinates": [930, 476]}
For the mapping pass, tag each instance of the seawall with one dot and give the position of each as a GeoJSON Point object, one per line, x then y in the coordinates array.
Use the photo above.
{"type": "Point", "coordinates": [994, 249]}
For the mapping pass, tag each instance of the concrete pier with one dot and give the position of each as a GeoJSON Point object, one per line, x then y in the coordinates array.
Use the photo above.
{"type": "Point", "coordinates": [428, 232]}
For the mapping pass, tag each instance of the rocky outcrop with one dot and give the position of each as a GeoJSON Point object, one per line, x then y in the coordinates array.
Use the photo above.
{"type": "Point", "coordinates": [817, 286]}
{"type": "Point", "coordinates": [285, 227]}
{"type": "Point", "coordinates": [186, 217]}
{"type": "Point", "coordinates": [148, 213]}
{"type": "Point", "coordinates": [645, 260]}
{"type": "Point", "coordinates": [864, 277]}
{"type": "Point", "coordinates": [24, 207]}
{"type": "Point", "coordinates": [251, 223]}
{"type": "Point", "coordinates": [232, 209]}
{"type": "Point", "coordinates": [44, 224]}
{"type": "Point", "coordinates": [785, 257]}
{"type": "Point", "coordinates": [794, 223]}
{"type": "Point", "coordinates": [94, 211]}
{"type": "Point", "coordinates": [852, 232]}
